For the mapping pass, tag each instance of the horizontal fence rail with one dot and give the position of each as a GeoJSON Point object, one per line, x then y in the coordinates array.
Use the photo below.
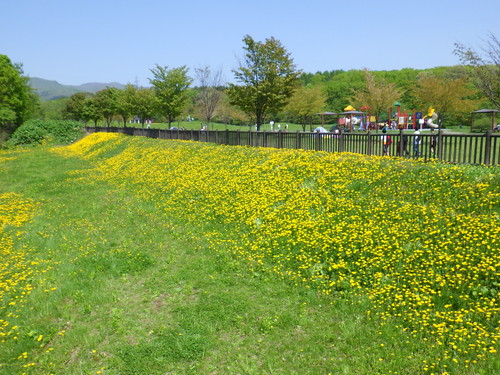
{"type": "Point", "coordinates": [452, 148]}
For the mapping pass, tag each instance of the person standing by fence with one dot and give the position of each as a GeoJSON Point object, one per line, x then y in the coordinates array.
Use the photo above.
{"type": "Point", "coordinates": [416, 143]}
{"type": "Point", "coordinates": [386, 141]}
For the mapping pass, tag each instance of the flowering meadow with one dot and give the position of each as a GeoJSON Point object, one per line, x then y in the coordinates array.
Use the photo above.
{"type": "Point", "coordinates": [418, 241]}
{"type": "Point", "coordinates": [17, 268]}
{"type": "Point", "coordinates": [129, 255]}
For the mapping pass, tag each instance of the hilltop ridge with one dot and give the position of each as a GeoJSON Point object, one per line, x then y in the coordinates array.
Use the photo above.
{"type": "Point", "coordinates": [51, 90]}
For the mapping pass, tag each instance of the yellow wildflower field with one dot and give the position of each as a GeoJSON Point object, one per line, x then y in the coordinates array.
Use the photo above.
{"type": "Point", "coordinates": [419, 240]}
{"type": "Point", "coordinates": [17, 268]}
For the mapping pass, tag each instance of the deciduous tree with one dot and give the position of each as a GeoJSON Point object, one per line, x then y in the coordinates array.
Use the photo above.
{"type": "Point", "coordinates": [485, 67]}
{"type": "Point", "coordinates": [378, 94]}
{"type": "Point", "coordinates": [125, 102]}
{"type": "Point", "coordinates": [91, 111]}
{"type": "Point", "coordinates": [106, 102]}
{"type": "Point", "coordinates": [17, 99]}
{"type": "Point", "coordinates": [75, 107]}
{"type": "Point", "coordinates": [145, 104]}
{"type": "Point", "coordinates": [447, 96]}
{"type": "Point", "coordinates": [305, 102]}
{"type": "Point", "coordinates": [267, 78]}
{"type": "Point", "coordinates": [170, 87]}
{"type": "Point", "coordinates": [210, 91]}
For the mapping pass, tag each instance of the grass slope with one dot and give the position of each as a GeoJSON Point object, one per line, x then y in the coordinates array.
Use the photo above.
{"type": "Point", "coordinates": [116, 283]}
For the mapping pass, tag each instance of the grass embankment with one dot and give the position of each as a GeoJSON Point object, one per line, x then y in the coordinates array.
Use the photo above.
{"type": "Point", "coordinates": [125, 255]}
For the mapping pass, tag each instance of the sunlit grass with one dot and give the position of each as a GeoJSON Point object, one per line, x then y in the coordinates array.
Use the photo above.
{"type": "Point", "coordinates": [421, 241]}
{"type": "Point", "coordinates": [389, 264]}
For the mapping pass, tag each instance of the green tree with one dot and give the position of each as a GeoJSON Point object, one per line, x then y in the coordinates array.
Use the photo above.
{"type": "Point", "coordinates": [267, 78]}
{"type": "Point", "coordinates": [75, 107]}
{"type": "Point", "coordinates": [125, 102]}
{"type": "Point", "coordinates": [91, 110]}
{"type": "Point", "coordinates": [339, 89]}
{"type": "Point", "coordinates": [170, 87]}
{"type": "Point", "coordinates": [378, 94]}
{"type": "Point", "coordinates": [17, 99]}
{"type": "Point", "coordinates": [53, 109]}
{"type": "Point", "coordinates": [106, 103]}
{"type": "Point", "coordinates": [304, 103]}
{"type": "Point", "coordinates": [484, 67]}
{"type": "Point", "coordinates": [145, 104]}
{"type": "Point", "coordinates": [447, 96]}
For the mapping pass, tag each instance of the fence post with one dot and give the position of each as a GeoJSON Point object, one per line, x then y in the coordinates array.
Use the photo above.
{"type": "Point", "coordinates": [400, 146]}
{"type": "Point", "coordinates": [440, 145]}
{"type": "Point", "coordinates": [369, 142]}
{"type": "Point", "coordinates": [280, 139]}
{"type": "Point", "coordinates": [487, 148]}
{"type": "Point", "coordinates": [318, 141]}
{"type": "Point", "coordinates": [298, 140]}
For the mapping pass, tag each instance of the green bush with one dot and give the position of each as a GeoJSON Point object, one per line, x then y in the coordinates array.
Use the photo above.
{"type": "Point", "coordinates": [27, 134]}
{"type": "Point", "coordinates": [38, 131]}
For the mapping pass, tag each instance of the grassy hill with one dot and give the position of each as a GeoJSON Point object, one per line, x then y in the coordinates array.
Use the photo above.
{"type": "Point", "coordinates": [128, 255]}
{"type": "Point", "coordinates": [50, 90]}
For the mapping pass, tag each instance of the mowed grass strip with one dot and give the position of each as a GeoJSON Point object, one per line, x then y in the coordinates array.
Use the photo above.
{"type": "Point", "coordinates": [140, 290]}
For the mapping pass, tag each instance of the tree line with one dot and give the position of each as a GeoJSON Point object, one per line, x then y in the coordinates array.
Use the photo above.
{"type": "Point", "coordinates": [269, 86]}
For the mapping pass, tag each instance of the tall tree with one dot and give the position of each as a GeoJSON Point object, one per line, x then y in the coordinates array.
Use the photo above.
{"type": "Point", "coordinates": [106, 102]}
{"type": "Point", "coordinates": [485, 67]}
{"type": "Point", "coordinates": [91, 110]}
{"type": "Point", "coordinates": [125, 102]}
{"type": "Point", "coordinates": [210, 91]}
{"type": "Point", "coordinates": [447, 96]}
{"type": "Point", "coordinates": [267, 78]}
{"type": "Point", "coordinates": [378, 94]}
{"type": "Point", "coordinates": [17, 100]}
{"type": "Point", "coordinates": [305, 102]}
{"type": "Point", "coordinates": [145, 104]}
{"type": "Point", "coordinates": [170, 87]}
{"type": "Point", "coordinates": [75, 107]}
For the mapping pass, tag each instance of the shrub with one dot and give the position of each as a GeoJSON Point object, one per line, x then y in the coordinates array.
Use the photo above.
{"type": "Point", "coordinates": [38, 131]}
{"type": "Point", "coordinates": [27, 134]}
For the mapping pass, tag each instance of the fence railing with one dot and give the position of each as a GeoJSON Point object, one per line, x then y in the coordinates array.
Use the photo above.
{"type": "Point", "coordinates": [453, 148]}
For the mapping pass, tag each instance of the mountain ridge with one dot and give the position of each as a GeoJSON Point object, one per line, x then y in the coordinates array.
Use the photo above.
{"type": "Point", "coordinates": [50, 89]}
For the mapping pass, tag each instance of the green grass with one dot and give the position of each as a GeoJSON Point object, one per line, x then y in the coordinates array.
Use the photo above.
{"type": "Point", "coordinates": [140, 292]}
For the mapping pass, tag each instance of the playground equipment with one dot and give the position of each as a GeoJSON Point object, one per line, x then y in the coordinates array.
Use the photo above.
{"type": "Point", "coordinates": [433, 117]}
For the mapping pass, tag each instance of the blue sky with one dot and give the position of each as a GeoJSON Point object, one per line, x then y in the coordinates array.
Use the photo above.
{"type": "Point", "coordinates": [75, 42]}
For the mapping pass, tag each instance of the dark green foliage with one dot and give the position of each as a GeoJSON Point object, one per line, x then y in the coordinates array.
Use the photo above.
{"type": "Point", "coordinates": [52, 109]}
{"type": "Point", "coordinates": [36, 131]}
{"type": "Point", "coordinates": [340, 86]}
{"type": "Point", "coordinates": [27, 134]}
{"type": "Point", "coordinates": [17, 100]}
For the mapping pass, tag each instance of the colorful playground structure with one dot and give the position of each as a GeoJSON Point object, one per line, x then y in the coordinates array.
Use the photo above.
{"type": "Point", "coordinates": [351, 119]}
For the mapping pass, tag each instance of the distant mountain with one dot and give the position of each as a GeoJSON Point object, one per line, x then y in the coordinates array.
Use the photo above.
{"type": "Point", "coordinates": [50, 90]}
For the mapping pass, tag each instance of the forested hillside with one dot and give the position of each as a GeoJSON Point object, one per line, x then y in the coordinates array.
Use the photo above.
{"type": "Point", "coordinates": [50, 90]}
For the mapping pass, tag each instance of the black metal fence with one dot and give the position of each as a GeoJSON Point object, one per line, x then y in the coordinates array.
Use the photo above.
{"type": "Point", "coordinates": [453, 148]}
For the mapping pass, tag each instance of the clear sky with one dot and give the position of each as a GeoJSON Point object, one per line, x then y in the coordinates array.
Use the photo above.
{"type": "Point", "coordinates": [80, 41]}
